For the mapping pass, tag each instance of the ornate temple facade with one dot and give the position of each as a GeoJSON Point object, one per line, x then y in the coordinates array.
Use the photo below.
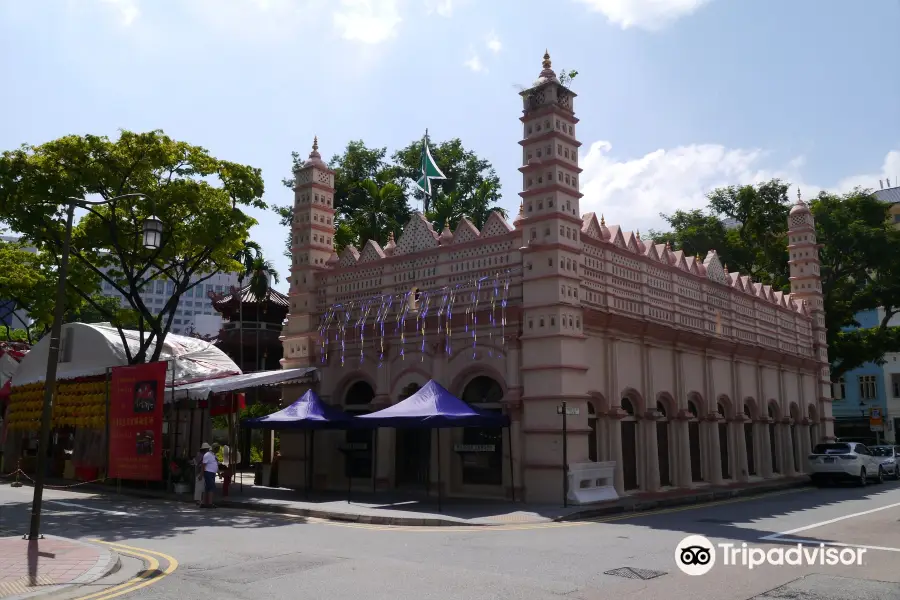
{"type": "Point", "coordinates": [681, 372]}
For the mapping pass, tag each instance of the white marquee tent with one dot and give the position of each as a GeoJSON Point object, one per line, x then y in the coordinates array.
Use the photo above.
{"type": "Point", "coordinates": [89, 349]}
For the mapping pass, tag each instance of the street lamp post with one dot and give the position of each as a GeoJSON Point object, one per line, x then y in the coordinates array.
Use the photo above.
{"type": "Point", "coordinates": [152, 235]}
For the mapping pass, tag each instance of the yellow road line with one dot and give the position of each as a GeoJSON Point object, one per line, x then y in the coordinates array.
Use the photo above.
{"type": "Point", "coordinates": [136, 583]}
{"type": "Point", "coordinates": [551, 525]}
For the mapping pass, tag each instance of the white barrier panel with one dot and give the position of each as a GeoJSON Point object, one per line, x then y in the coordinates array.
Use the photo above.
{"type": "Point", "coordinates": [592, 482]}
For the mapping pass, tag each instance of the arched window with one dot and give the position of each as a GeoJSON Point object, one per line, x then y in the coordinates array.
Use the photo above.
{"type": "Point", "coordinates": [628, 407]}
{"type": "Point", "coordinates": [592, 436]}
{"type": "Point", "coordinates": [692, 408]}
{"type": "Point", "coordinates": [661, 408]}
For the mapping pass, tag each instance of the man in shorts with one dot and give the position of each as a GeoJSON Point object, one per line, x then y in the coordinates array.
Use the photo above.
{"type": "Point", "coordinates": [210, 469]}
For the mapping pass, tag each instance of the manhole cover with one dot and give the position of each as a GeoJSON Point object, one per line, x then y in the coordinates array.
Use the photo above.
{"type": "Point", "coordinates": [635, 573]}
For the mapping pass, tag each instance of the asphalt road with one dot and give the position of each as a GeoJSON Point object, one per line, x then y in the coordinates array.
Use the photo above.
{"type": "Point", "coordinates": [231, 554]}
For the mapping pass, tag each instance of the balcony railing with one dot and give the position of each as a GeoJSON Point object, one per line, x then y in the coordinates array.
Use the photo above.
{"type": "Point", "coordinates": [252, 326]}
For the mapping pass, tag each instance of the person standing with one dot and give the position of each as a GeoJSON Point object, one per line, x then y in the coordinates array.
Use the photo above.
{"type": "Point", "coordinates": [210, 469]}
{"type": "Point", "coordinates": [199, 483]}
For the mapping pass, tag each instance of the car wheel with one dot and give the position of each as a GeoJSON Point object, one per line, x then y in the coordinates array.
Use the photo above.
{"type": "Point", "coordinates": [863, 478]}
{"type": "Point", "coordinates": [896, 472]}
{"type": "Point", "coordinates": [880, 475]}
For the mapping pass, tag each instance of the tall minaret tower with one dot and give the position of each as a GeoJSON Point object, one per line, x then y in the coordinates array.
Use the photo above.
{"type": "Point", "coordinates": [806, 284]}
{"type": "Point", "coordinates": [554, 366]}
{"type": "Point", "coordinates": [312, 246]}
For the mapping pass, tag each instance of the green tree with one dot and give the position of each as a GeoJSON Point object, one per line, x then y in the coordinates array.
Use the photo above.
{"type": "Point", "coordinates": [859, 268]}
{"type": "Point", "coordinates": [102, 309]}
{"type": "Point", "coordinates": [466, 172]}
{"type": "Point", "coordinates": [198, 198]}
{"type": "Point", "coordinates": [384, 211]}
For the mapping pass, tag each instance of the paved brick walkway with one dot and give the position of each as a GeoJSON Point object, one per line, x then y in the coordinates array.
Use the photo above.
{"type": "Point", "coordinates": [33, 567]}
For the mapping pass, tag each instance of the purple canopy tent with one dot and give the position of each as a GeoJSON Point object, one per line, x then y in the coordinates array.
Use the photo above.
{"type": "Point", "coordinates": [433, 407]}
{"type": "Point", "coordinates": [308, 413]}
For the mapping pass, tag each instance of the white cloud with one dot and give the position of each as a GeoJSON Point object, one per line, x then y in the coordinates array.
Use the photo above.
{"type": "Point", "coordinates": [493, 43]}
{"type": "Point", "coordinates": [367, 21]}
{"type": "Point", "coordinates": [474, 63]}
{"type": "Point", "coordinates": [443, 8]}
{"type": "Point", "coordinates": [126, 10]}
{"type": "Point", "coordinates": [644, 14]}
{"type": "Point", "coordinates": [633, 193]}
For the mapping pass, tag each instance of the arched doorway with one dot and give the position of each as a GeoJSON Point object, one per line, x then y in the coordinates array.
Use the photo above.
{"type": "Point", "coordinates": [694, 442]}
{"type": "Point", "coordinates": [412, 456]}
{"type": "Point", "coordinates": [773, 432]}
{"type": "Point", "coordinates": [723, 441]}
{"type": "Point", "coordinates": [748, 440]}
{"type": "Point", "coordinates": [629, 446]}
{"type": "Point", "coordinates": [358, 450]}
{"type": "Point", "coordinates": [662, 443]}
{"type": "Point", "coordinates": [592, 435]}
{"type": "Point", "coordinates": [484, 467]}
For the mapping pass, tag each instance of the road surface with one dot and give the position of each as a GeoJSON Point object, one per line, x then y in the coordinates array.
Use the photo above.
{"type": "Point", "coordinates": [237, 555]}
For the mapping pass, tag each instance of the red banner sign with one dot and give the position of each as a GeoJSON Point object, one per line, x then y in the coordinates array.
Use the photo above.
{"type": "Point", "coordinates": [226, 404]}
{"type": "Point", "coordinates": [136, 397]}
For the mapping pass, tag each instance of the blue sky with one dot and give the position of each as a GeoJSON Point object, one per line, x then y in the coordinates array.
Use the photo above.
{"type": "Point", "coordinates": [675, 96]}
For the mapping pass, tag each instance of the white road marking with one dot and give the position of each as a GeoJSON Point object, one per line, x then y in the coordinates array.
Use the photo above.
{"type": "Point", "coordinates": [99, 510]}
{"type": "Point", "coordinates": [776, 536]}
{"type": "Point", "coordinates": [838, 544]}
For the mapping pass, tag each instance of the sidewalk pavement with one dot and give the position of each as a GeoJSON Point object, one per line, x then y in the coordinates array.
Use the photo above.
{"type": "Point", "coordinates": [31, 568]}
{"type": "Point", "coordinates": [396, 509]}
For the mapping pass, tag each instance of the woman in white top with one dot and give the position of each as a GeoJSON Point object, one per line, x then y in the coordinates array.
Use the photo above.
{"type": "Point", "coordinates": [210, 468]}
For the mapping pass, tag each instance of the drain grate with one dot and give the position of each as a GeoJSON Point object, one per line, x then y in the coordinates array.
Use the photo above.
{"type": "Point", "coordinates": [635, 573]}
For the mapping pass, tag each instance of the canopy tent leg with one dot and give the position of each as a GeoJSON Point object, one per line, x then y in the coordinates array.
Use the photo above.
{"type": "Point", "coordinates": [374, 460]}
{"type": "Point", "coordinates": [512, 473]}
{"type": "Point", "coordinates": [306, 438]}
{"type": "Point", "coordinates": [440, 488]}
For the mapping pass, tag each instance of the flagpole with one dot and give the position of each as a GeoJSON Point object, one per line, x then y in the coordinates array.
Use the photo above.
{"type": "Point", "coordinates": [425, 186]}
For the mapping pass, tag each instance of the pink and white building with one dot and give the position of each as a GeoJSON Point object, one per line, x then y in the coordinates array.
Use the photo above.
{"type": "Point", "coordinates": [683, 374]}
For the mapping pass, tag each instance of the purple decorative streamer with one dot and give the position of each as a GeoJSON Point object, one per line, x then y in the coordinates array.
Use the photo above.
{"type": "Point", "coordinates": [323, 334]}
{"type": "Point", "coordinates": [385, 310]}
{"type": "Point", "coordinates": [440, 314]}
{"type": "Point", "coordinates": [401, 323]}
{"type": "Point", "coordinates": [495, 292]}
{"type": "Point", "coordinates": [476, 299]}
{"type": "Point", "coordinates": [361, 325]}
{"type": "Point", "coordinates": [348, 313]}
{"type": "Point", "coordinates": [449, 331]}
{"type": "Point", "coordinates": [503, 302]}
{"type": "Point", "coordinates": [424, 301]}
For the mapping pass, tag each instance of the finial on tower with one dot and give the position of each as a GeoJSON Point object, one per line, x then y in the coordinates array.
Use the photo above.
{"type": "Point", "coordinates": [602, 220]}
{"type": "Point", "coordinates": [668, 246]}
{"type": "Point", "coordinates": [546, 64]}
{"type": "Point", "coordinates": [315, 143]}
{"type": "Point", "coordinates": [638, 234]}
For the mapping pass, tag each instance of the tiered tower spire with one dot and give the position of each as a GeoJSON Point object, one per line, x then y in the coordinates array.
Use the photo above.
{"type": "Point", "coordinates": [806, 284]}
{"type": "Point", "coordinates": [312, 250]}
{"type": "Point", "coordinates": [553, 328]}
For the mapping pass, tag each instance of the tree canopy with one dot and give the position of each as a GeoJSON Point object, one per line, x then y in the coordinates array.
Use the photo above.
{"type": "Point", "coordinates": [198, 198]}
{"type": "Point", "coordinates": [374, 194]}
{"type": "Point", "coordinates": [747, 226]}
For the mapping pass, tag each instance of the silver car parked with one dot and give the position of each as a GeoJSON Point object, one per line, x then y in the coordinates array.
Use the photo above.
{"type": "Point", "coordinates": [889, 456]}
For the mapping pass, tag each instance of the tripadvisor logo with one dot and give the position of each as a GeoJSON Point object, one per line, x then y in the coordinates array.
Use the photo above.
{"type": "Point", "coordinates": [696, 555]}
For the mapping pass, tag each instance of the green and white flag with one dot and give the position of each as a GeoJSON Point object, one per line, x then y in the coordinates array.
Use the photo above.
{"type": "Point", "coordinates": [428, 169]}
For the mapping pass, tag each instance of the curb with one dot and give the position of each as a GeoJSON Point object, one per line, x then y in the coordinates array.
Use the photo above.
{"type": "Point", "coordinates": [687, 500]}
{"type": "Point", "coordinates": [614, 508]}
{"type": "Point", "coordinates": [108, 563]}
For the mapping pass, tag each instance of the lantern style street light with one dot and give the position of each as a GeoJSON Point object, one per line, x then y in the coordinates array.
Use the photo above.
{"type": "Point", "coordinates": [152, 237]}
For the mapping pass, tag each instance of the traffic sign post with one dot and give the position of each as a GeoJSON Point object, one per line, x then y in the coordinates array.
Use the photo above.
{"type": "Point", "coordinates": [876, 423]}
{"type": "Point", "coordinates": [565, 411]}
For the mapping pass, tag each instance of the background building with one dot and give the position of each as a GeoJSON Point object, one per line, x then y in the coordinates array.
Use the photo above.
{"type": "Point", "coordinates": [193, 304]}
{"type": "Point", "coordinates": [8, 316]}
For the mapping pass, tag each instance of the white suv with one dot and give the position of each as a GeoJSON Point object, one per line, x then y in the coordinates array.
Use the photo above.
{"type": "Point", "coordinates": [844, 461]}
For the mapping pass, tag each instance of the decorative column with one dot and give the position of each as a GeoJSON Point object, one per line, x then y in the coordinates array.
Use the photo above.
{"type": "Point", "coordinates": [614, 427]}
{"type": "Point", "coordinates": [804, 446]}
{"type": "Point", "coordinates": [787, 448]}
{"type": "Point", "coordinates": [765, 447]}
{"type": "Point", "coordinates": [715, 448]}
{"type": "Point", "coordinates": [651, 455]}
{"type": "Point", "coordinates": [514, 410]}
{"type": "Point", "coordinates": [742, 464]}
{"type": "Point", "coordinates": [683, 476]}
